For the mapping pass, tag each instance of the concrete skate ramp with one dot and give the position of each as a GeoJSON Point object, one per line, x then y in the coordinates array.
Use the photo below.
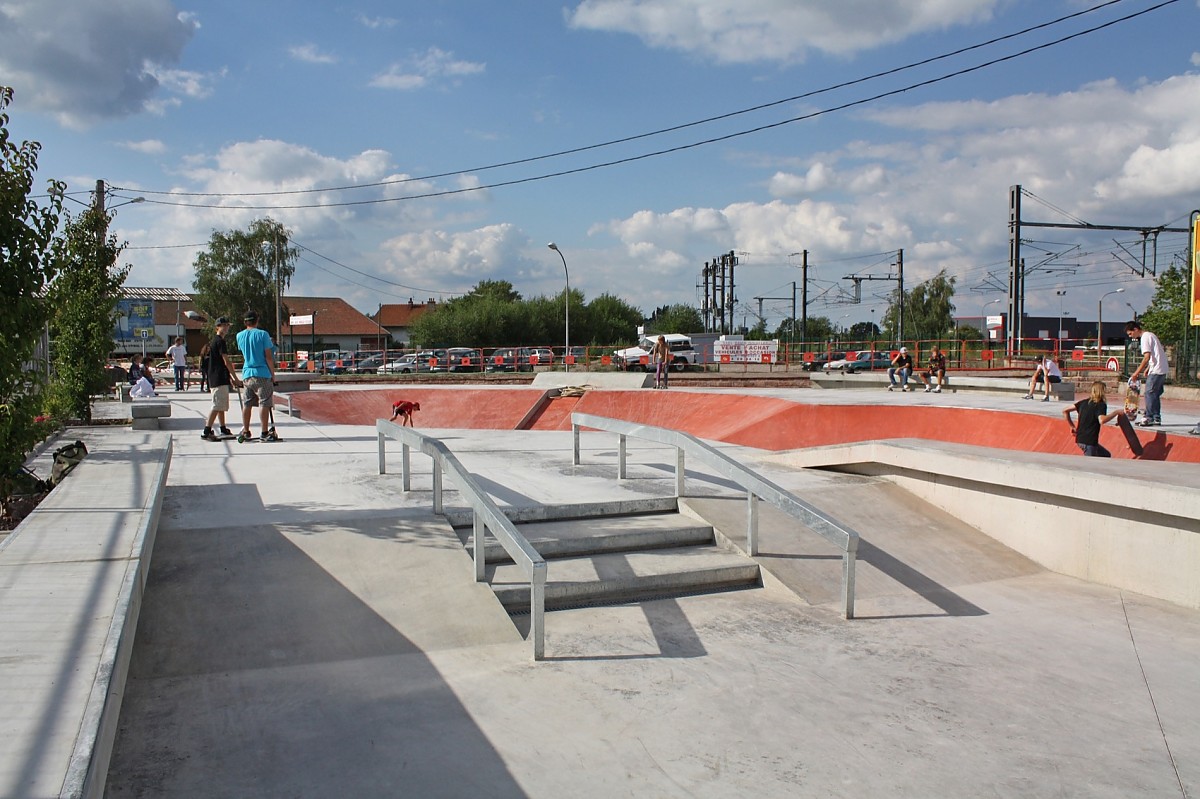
{"type": "Point", "coordinates": [761, 422]}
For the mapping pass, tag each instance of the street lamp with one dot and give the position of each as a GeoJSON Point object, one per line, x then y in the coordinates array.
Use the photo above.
{"type": "Point", "coordinates": [1132, 310]}
{"type": "Point", "coordinates": [1100, 324]}
{"type": "Point", "coordinates": [1061, 293]}
{"type": "Point", "coordinates": [566, 308]}
{"type": "Point", "coordinates": [130, 201]}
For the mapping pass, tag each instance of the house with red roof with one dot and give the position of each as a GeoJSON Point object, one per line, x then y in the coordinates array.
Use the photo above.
{"type": "Point", "coordinates": [397, 318]}
{"type": "Point", "coordinates": [328, 323]}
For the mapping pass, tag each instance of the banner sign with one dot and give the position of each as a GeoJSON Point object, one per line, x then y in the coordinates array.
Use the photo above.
{"type": "Point", "coordinates": [135, 319]}
{"type": "Point", "coordinates": [296, 321]}
{"type": "Point", "coordinates": [1194, 239]}
{"type": "Point", "coordinates": [745, 351]}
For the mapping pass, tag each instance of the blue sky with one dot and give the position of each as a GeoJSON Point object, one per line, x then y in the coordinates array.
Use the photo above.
{"type": "Point", "coordinates": [234, 99]}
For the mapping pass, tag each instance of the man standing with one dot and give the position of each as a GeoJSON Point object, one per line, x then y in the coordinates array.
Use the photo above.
{"type": "Point", "coordinates": [177, 352]}
{"type": "Point", "coordinates": [1154, 368]}
{"type": "Point", "coordinates": [258, 375]}
{"type": "Point", "coordinates": [220, 376]}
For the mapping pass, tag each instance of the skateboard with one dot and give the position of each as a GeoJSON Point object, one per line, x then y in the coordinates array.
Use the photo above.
{"type": "Point", "coordinates": [1131, 437]}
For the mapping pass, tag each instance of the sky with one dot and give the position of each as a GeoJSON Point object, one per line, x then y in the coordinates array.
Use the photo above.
{"type": "Point", "coordinates": [415, 149]}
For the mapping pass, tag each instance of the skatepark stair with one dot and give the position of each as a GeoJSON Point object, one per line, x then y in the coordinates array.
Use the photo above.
{"type": "Point", "coordinates": [601, 560]}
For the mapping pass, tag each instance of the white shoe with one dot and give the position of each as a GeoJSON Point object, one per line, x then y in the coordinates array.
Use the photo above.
{"type": "Point", "coordinates": [928, 389]}
{"type": "Point", "coordinates": [891, 388]}
{"type": "Point", "coordinates": [937, 390]}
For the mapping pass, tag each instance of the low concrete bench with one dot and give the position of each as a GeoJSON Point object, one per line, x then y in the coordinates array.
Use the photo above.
{"type": "Point", "coordinates": [125, 388]}
{"type": "Point", "coordinates": [293, 381]}
{"type": "Point", "coordinates": [954, 382]}
{"type": "Point", "coordinates": [146, 413]}
{"type": "Point", "coordinates": [71, 582]}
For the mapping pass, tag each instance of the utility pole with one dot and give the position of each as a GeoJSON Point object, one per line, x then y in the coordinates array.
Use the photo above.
{"type": "Point", "coordinates": [900, 295]}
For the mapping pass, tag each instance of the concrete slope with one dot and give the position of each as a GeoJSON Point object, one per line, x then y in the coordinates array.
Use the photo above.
{"type": "Point", "coordinates": [448, 407]}
{"type": "Point", "coordinates": [908, 548]}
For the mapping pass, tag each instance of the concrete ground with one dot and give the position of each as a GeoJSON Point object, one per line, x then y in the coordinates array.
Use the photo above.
{"type": "Point", "coordinates": [309, 630]}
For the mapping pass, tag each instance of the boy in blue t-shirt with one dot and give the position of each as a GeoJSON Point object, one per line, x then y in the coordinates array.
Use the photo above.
{"type": "Point", "coordinates": [258, 375]}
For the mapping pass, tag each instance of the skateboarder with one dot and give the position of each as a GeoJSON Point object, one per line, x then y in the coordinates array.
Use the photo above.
{"type": "Point", "coordinates": [1093, 412]}
{"type": "Point", "coordinates": [1154, 368]}
{"type": "Point", "coordinates": [404, 408]}
{"type": "Point", "coordinates": [220, 377]}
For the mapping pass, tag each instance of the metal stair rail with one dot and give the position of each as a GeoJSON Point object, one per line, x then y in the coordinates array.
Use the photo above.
{"type": "Point", "coordinates": [756, 486]}
{"type": "Point", "coordinates": [486, 517]}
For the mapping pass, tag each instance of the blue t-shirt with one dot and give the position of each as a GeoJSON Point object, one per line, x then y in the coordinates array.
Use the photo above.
{"type": "Point", "coordinates": [254, 343]}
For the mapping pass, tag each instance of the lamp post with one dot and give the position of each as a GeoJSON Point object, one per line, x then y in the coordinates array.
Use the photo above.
{"type": "Point", "coordinates": [1058, 336]}
{"type": "Point", "coordinates": [566, 308]}
{"type": "Point", "coordinates": [1132, 310]}
{"type": "Point", "coordinates": [1100, 324]}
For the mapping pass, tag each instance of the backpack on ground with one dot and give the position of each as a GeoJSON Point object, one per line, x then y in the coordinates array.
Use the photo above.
{"type": "Point", "coordinates": [66, 458]}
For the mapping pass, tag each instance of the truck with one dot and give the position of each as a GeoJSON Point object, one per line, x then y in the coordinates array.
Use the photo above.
{"type": "Point", "coordinates": [682, 353]}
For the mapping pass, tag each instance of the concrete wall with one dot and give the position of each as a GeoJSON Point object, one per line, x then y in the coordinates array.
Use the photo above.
{"type": "Point", "coordinates": [1130, 525]}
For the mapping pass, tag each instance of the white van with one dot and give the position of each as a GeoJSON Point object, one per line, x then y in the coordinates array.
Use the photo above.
{"type": "Point", "coordinates": [682, 353]}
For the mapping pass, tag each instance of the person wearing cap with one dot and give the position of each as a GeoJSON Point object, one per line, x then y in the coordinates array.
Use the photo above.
{"type": "Point", "coordinates": [220, 376]}
{"type": "Point", "coordinates": [903, 365]}
{"type": "Point", "coordinates": [258, 374]}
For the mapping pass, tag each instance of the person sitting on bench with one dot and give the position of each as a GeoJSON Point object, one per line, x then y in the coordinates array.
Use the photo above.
{"type": "Point", "coordinates": [937, 368]}
{"type": "Point", "coordinates": [902, 364]}
{"type": "Point", "coordinates": [1047, 372]}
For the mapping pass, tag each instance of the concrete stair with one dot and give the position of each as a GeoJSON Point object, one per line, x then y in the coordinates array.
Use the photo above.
{"type": "Point", "coordinates": [617, 559]}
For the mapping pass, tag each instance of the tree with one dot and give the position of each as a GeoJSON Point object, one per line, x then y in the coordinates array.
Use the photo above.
{"type": "Point", "coordinates": [928, 310]}
{"type": "Point", "coordinates": [609, 320]}
{"type": "Point", "coordinates": [677, 319]}
{"type": "Point", "coordinates": [26, 267]}
{"type": "Point", "coordinates": [83, 301]}
{"type": "Point", "coordinates": [863, 331]}
{"type": "Point", "coordinates": [1168, 313]}
{"type": "Point", "coordinates": [238, 272]}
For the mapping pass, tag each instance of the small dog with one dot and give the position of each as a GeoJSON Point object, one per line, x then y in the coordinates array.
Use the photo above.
{"type": "Point", "coordinates": [405, 408]}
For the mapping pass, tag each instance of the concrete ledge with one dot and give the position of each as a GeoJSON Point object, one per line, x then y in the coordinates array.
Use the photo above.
{"type": "Point", "coordinates": [125, 388]}
{"type": "Point", "coordinates": [71, 582]}
{"type": "Point", "coordinates": [150, 409]}
{"type": "Point", "coordinates": [293, 381]}
{"type": "Point", "coordinates": [954, 382]}
{"type": "Point", "coordinates": [620, 380]}
{"type": "Point", "coordinates": [1133, 525]}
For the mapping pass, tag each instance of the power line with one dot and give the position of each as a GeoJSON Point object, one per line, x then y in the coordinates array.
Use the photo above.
{"type": "Point", "coordinates": [660, 131]}
{"type": "Point", "coordinates": [678, 148]}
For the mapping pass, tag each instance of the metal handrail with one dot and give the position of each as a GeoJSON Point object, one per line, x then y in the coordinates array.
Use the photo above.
{"type": "Point", "coordinates": [756, 486]}
{"type": "Point", "coordinates": [486, 516]}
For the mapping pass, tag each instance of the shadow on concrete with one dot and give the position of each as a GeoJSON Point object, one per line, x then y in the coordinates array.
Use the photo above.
{"type": "Point", "coordinates": [256, 673]}
{"type": "Point", "coordinates": [930, 590]}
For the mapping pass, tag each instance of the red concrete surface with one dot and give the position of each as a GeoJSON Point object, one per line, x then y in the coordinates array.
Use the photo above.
{"type": "Point", "coordinates": [761, 422]}
{"type": "Point", "coordinates": [493, 409]}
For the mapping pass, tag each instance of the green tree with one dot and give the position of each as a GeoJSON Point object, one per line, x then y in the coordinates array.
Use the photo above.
{"type": "Point", "coordinates": [239, 269]}
{"type": "Point", "coordinates": [677, 319]}
{"type": "Point", "coordinates": [928, 310]}
{"type": "Point", "coordinates": [26, 267]}
{"type": "Point", "coordinates": [864, 331]}
{"type": "Point", "coordinates": [83, 301]}
{"type": "Point", "coordinates": [608, 320]}
{"type": "Point", "coordinates": [1168, 313]}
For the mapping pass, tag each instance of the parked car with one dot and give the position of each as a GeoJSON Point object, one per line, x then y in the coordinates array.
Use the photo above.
{"type": "Point", "coordinates": [509, 359]}
{"type": "Point", "coordinates": [330, 362]}
{"type": "Point", "coordinates": [820, 359]}
{"type": "Point", "coordinates": [404, 364]}
{"type": "Point", "coordinates": [862, 362]}
{"type": "Point", "coordinates": [464, 359]}
{"type": "Point", "coordinates": [682, 353]}
{"type": "Point", "coordinates": [541, 356]}
{"type": "Point", "coordinates": [368, 365]}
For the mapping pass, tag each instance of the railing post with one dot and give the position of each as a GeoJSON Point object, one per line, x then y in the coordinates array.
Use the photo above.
{"type": "Point", "coordinates": [575, 452]}
{"type": "Point", "coordinates": [537, 610]}
{"type": "Point", "coordinates": [680, 472]}
{"type": "Point", "coordinates": [848, 562]}
{"type": "Point", "coordinates": [621, 446]}
{"type": "Point", "coordinates": [437, 486]}
{"type": "Point", "coordinates": [405, 468]}
{"type": "Point", "coordinates": [479, 548]}
{"type": "Point", "coordinates": [382, 448]}
{"type": "Point", "coordinates": [751, 523]}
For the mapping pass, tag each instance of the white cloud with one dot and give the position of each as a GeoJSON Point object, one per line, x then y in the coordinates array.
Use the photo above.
{"type": "Point", "coordinates": [375, 23]}
{"type": "Point", "coordinates": [147, 146]}
{"type": "Point", "coordinates": [310, 54]}
{"type": "Point", "coordinates": [422, 69]}
{"type": "Point", "coordinates": [462, 258]}
{"type": "Point", "coordinates": [775, 30]}
{"type": "Point", "coordinates": [84, 62]}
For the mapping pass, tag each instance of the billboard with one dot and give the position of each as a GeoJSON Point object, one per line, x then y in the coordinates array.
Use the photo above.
{"type": "Point", "coordinates": [134, 315]}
